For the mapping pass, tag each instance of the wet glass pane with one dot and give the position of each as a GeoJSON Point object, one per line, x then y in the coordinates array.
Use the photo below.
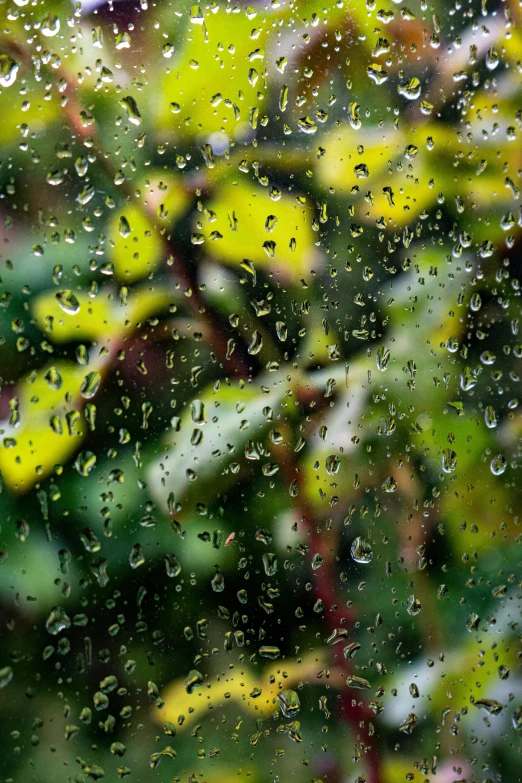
{"type": "Point", "coordinates": [260, 359]}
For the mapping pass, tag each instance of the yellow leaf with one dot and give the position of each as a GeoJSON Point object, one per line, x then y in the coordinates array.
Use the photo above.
{"type": "Point", "coordinates": [40, 113]}
{"type": "Point", "coordinates": [255, 227]}
{"type": "Point", "coordinates": [31, 448]}
{"type": "Point", "coordinates": [135, 242]}
{"type": "Point", "coordinates": [239, 687]}
{"type": "Point", "coordinates": [143, 303]}
{"type": "Point", "coordinates": [103, 316]}
{"type": "Point", "coordinates": [94, 318]}
{"type": "Point", "coordinates": [399, 198]}
{"type": "Point", "coordinates": [207, 89]}
{"type": "Point", "coordinates": [347, 148]}
{"type": "Point", "coordinates": [392, 166]}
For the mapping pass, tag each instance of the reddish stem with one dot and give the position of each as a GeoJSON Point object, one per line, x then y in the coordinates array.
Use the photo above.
{"type": "Point", "coordinates": [337, 615]}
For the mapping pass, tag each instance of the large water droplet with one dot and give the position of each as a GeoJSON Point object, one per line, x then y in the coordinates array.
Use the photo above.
{"type": "Point", "coordinates": [131, 107]}
{"type": "Point", "coordinates": [361, 550]}
{"type": "Point", "coordinates": [289, 703]}
{"type": "Point", "coordinates": [58, 620]}
{"type": "Point", "coordinates": [50, 26]}
{"type": "Point", "coordinates": [449, 460]}
{"type": "Point", "coordinates": [68, 302]}
{"type": "Point", "coordinates": [498, 464]}
{"type": "Point", "coordinates": [8, 70]}
{"type": "Point", "coordinates": [193, 680]}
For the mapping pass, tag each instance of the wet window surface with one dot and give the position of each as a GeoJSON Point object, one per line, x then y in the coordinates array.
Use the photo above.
{"type": "Point", "coordinates": [260, 370]}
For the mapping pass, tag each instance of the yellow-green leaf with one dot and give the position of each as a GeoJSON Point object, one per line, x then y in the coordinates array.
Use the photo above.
{"type": "Point", "coordinates": [136, 251]}
{"type": "Point", "coordinates": [94, 318]}
{"type": "Point", "coordinates": [50, 426]}
{"type": "Point", "coordinates": [246, 223]}
{"type": "Point", "coordinates": [107, 316]}
{"type": "Point", "coordinates": [254, 694]}
{"type": "Point", "coordinates": [135, 242]}
{"type": "Point", "coordinates": [212, 87]}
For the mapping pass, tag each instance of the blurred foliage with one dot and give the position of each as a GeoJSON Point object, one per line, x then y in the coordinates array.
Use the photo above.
{"type": "Point", "coordinates": [260, 379]}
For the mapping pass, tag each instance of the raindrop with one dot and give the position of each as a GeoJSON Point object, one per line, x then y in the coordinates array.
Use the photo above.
{"type": "Point", "coordinates": [193, 680]}
{"type": "Point", "coordinates": [410, 88]}
{"type": "Point", "coordinates": [124, 228]}
{"type": "Point", "coordinates": [498, 465]}
{"type": "Point", "coordinates": [490, 417]}
{"type": "Point", "coordinates": [68, 302]}
{"type": "Point", "coordinates": [90, 385]}
{"type": "Point", "coordinates": [51, 26]}
{"type": "Point", "coordinates": [289, 703]}
{"type": "Point", "coordinates": [449, 460]}
{"type": "Point", "coordinates": [218, 582]}
{"type": "Point", "coordinates": [354, 117]}
{"type": "Point", "coordinates": [54, 379]}
{"type": "Point", "coordinates": [333, 463]}
{"type": "Point", "coordinates": [8, 70]}
{"type": "Point", "coordinates": [361, 550]}
{"type": "Point", "coordinates": [85, 462]}
{"type": "Point", "coordinates": [413, 605]}
{"type": "Point", "coordinates": [491, 706]}
{"type": "Point", "coordinates": [6, 675]}
{"type": "Point", "coordinates": [360, 683]}
{"type": "Point", "coordinates": [269, 651]}
{"type": "Point", "coordinates": [57, 621]}
{"type": "Point", "coordinates": [409, 724]}
{"type": "Point", "coordinates": [390, 485]}
{"type": "Point", "coordinates": [382, 358]}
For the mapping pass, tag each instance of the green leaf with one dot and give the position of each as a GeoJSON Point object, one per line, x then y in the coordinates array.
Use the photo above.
{"type": "Point", "coordinates": [200, 452]}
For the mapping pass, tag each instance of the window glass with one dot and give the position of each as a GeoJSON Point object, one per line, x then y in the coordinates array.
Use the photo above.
{"type": "Point", "coordinates": [260, 359]}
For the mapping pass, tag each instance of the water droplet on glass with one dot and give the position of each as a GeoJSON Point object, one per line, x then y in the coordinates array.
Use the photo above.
{"type": "Point", "coordinates": [289, 703]}
{"type": "Point", "coordinates": [449, 460]}
{"type": "Point", "coordinates": [57, 621]}
{"type": "Point", "coordinates": [270, 563]}
{"type": "Point", "coordinates": [218, 582]}
{"type": "Point", "coordinates": [68, 302]}
{"type": "Point", "coordinates": [390, 485]}
{"type": "Point", "coordinates": [53, 378]}
{"type": "Point", "coordinates": [352, 681]}
{"type": "Point", "coordinates": [498, 465]}
{"type": "Point", "coordinates": [333, 463]}
{"type": "Point", "coordinates": [491, 706]}
{"type": "Point", "coordinates": [361, 550]}
{"type": "Point", "coordinates": [124, 228]}
{"type": "Point", "coordinates": [6, 675]}
{"type": "Point", "coordinates": [269, 651]}
{"type": "Point", "coordinates": [131, 107]}
{"type": "Point", "coordinates": [410, 88]}
{"type": "Point", "coordinates": [85, 462]}
{"type": "Point", "coordinates": [382, 358]}
{"type": "Point", "coordinates": [409, 724]}
{"type": "Point", "coordinates": [51, 26]}
{"type": "Point", "coordinates": [490, 417]}
{"type": "Point", "coordinates": [413, 605]}
{"type": "Point", "coordinates": [8, 70]}
{"type": "Point", "coordinates": [193, 680]}
{"type": "Point", "coordinates": [90, 385]}
{"type": "Point", "coordinates": [354, 117]}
